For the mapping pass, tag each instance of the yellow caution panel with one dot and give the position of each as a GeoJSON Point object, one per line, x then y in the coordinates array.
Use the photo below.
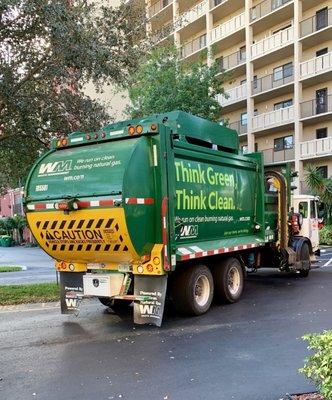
{"type": "Point", "coordinates": [98, 235]}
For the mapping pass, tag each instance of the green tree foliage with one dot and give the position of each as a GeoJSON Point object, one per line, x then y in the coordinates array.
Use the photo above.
{"type": "Point", "coordinates": [49, 51]}
{"type": "Point", "coordinates": [10, 224]}
{"type": "Point", "coordinates": [164, 83]}
{"type": "Point", "coordinates": [321, 187]}
{"type": "Point", "coordinates": [318, 366]}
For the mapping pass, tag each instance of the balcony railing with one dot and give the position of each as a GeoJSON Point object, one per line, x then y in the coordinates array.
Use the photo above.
{"type": "Point", "coordinates": [271, 81]}
{"type": "Point", "coordinates": [158, 6]}
{"type": "Point", "coordinates": [315, 66]}
{"type": "Point", "coordinates": [266, 7]}
{"type": "Point", "coordinates": [163, 33]}
{"type": "Point", "coordinates": [231, 61]}
{"type": "Point", "coordinates": [273, 118]}
{"type": "Point", "coordinates": [316, 148]}
{"type": "Point", "coordinates": [316, 22]}
{"type": "Point", "coordinates": [317, 106]}
{"type": "Point", "coordinates": [234, 95]}
{"type": "Point", "coordinates": [273, 42]}
{"type": "Point", "coordinates": [272, 156]}
{"type": "Point", "coordinates": [193, 46]}
{"type": "Point", "coordinates": [227, 28]}
{"type": "Point", "coordinates": [191, 15]}
{"type": "Point", "coordinates": [239, 128]}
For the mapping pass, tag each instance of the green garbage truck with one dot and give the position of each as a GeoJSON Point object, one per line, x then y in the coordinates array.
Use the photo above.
{"type": "Point", "coordinates": [164, 206]}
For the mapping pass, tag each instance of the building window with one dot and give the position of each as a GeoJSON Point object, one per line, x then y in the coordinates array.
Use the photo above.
{"type": "Point", "coordinates": [321, 133]}
{"type": "Point", "coordinates": [283, 104]}
{"type": "Point", "coordinates": [283, 143]}
{"type": "Point", "coordinates": [321, 101]}
{"type": "Point", "coordinates": [244, 149]}
{"type": "Point", "coordinates": [244, 119]}
{"type": "Point", "coordinates": [255, 82]}
{"type": "Point", "coordinates": [244, 81]}
{"type": "Point", "coordinates": [323, 171]}
{"type": "Point", "coordinates": [242, 53]}
{"type": "Point", "coordinates": [284, 71]}
{"type": "Point", "coordinates": [321, 52]}
{"type": "Point", "coordinates": [321, 18]}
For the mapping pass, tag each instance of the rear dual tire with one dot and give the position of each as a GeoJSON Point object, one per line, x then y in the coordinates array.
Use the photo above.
{"type": "Point", "coordinates": [228, 280]}
{"type": "Point", "coordinates": [192, 290]}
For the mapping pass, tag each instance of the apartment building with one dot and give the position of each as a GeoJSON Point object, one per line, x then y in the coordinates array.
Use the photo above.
{"type": "Point", "coordinates": [278, 54]}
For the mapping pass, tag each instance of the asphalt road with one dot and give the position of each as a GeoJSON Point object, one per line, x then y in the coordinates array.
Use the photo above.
{"type": "Point", "coordinates": [246, 351]}
{"type": "Point", "coordinates": [39, 267]}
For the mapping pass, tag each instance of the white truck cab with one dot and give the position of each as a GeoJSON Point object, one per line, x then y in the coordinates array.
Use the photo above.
{"type": "Point", "coordinates": [307, 206]}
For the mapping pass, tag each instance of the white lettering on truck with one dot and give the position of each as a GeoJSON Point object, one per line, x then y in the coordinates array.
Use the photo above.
{"type": "Point", "coordinates": [55, 168]}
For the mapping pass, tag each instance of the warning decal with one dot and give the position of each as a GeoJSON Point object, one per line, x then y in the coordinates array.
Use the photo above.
{"type": "Point", "coordinates": [84, 231]}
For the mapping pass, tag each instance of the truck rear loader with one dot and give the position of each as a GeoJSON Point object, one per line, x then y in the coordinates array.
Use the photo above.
{"type": "Point", "coordinates": [165, 205]}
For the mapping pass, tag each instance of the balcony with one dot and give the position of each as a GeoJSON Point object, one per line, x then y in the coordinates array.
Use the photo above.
{"type": "Point", "coordinates": [226, 29]}
{"type": "Point", "coordinates": [266, 7]}
{"type": "Point", "coordinates": [234, 95]}
{"type": "Point", "coordinates": [316, 148]}
{"type": "Point", "coordinates": [158, 6]}
{"type": "Point", "coordinates": [241, 129]}
{"type": "Point", "coordinates": [316, 68]}
{"type": "Point", "coordinates": [270, 44]}
{"type": "Point", "coordinates": [320, 109]}
{"type": "Point", "coordinates": [273, 119]}
{"type": "Point", "coordinates": [231, 62]}
{"type": "Point", "coordinates": [193, 46]}
{"type": "Point", "coordinates": [163, 33]}
{"type": "Point", "coordinates": [271, 85]}
{"type": "Point", "coordinates": [192, 15]}
{"type": "Point", "coordinates": [271, 156]}
{"type": "Point", "coordinates": [320, 22]}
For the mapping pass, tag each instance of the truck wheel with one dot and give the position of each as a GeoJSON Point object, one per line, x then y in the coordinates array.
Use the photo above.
{"type": "Point", "coordinates": [304, 256]}
{"type": "Point", "coordinates": [192, 290]}
{"type": "Point", "coordinates": [228, 280]}
{"type": "Point", "coordinates": [114, 304]}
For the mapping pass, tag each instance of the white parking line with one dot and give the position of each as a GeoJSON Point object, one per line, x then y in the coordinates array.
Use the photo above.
{"type": "Point", "coordinates": [328, 263]}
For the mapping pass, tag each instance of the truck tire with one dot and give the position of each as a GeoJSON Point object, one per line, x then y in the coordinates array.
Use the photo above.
{"type": "Point", "coordinates": [228, 280]}
{"type": "Point", "coordinates": [304, 256]}
{"type": "Point", "coordinates": [192, 290]}
{"type": "Point", "coordinates": [116, 305]}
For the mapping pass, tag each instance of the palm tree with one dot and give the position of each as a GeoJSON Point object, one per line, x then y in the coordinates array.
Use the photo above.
{"type": "Point", "coordinates": [321, 187]}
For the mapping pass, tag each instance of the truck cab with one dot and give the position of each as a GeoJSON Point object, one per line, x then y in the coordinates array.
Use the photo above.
{"type": "Point", "coordinates": [307, 207]}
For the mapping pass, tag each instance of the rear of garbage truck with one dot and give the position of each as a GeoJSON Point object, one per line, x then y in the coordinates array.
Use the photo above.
{"type": "Point", "coordinates": [163, 205]}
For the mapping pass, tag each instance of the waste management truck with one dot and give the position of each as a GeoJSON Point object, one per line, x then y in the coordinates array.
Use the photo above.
{"type": "Point", "coordinates": [164, 206]}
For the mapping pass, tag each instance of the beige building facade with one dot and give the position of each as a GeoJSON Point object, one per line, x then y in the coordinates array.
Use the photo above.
{"type": "Point", "coordinates": [278, 54]}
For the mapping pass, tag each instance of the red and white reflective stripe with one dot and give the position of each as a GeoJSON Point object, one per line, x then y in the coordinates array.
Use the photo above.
{"type": "Point", "coordinates": [188, 253]}
{"type": "Point", "coordinates": [139, 200]}
{"type": "Point", "coordinates": [41, 206]}
{"type": "Point", "coordinates": [82, 204]}
{"type": "Point", "coordinates": [99, 203]}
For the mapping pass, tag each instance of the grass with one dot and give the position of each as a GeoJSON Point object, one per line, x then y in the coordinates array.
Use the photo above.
{"type": "Point", "coordinates": [10, 268]}
{"type": "Point", "coordinates": [36, 293]}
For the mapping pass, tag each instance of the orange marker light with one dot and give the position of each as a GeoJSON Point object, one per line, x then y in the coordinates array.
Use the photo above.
{"type": "Point", "coordinates": [149, 267]}
{"type": "Point", "coordinates": [153, 127]}
{"type": "Point", "coordinates": [131, 130]}
{"type": "Point", "coordinates": [64, 142]}
{"type": "Point", "coordinates": [139, 129]}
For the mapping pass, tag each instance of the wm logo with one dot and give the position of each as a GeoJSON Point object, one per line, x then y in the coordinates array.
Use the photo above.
{"type": "Point", "coordinates": [55, 167]}
{"type": "Point", "coordinates": [71, 303]}
{"type": "Point", "coordinates": [147, 310]}
{"type": "Point", "coordinates": [189, 231]}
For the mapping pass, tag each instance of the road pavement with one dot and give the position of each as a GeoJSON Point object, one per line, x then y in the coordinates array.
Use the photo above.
{"type": "Point", "coordinates": [39, 265]}
{"type": "Point", "coordinates": [247, 351]}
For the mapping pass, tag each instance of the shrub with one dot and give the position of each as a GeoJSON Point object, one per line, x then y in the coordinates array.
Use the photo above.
{"type": "Point", "coordinates": [318, 366]}
{"type": "Point", "coordinates": [325, 235]}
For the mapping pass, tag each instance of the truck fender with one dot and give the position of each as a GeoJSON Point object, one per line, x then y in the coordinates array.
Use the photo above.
{"type": "Point", "coordinates": [298, 242]}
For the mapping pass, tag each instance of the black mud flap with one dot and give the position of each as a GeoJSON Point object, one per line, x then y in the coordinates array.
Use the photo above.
{"type": "Point", "coordinates": [150, 311]}
{"type": "Point", "coordinates": [71, 291]}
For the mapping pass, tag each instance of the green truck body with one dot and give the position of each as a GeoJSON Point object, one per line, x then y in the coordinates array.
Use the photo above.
{"type": "Point", "coordinates": [142, 199]}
